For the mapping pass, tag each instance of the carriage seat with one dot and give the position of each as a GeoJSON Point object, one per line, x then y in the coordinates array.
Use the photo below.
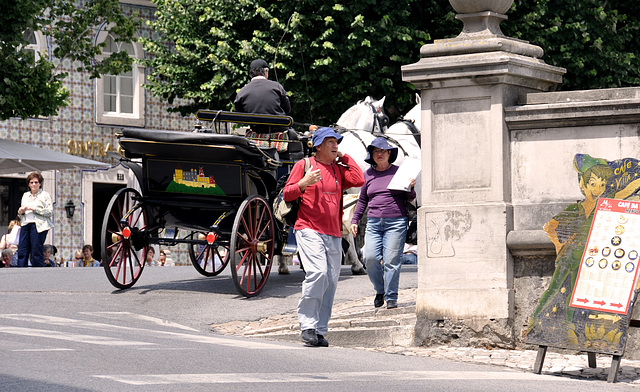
{"type": "Point", "coordinates": [267, 131]}
{"type": "Point", "coordinates": [206, 147]}
{"type": "Point", "coordinates": [286, 142]}
{"type": "Point", "coordinates": [163, 136]}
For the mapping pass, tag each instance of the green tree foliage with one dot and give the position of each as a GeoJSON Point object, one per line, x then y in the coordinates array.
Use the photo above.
{"type": "Point", "coordinates": [30, 87]}
{"type": "Point", "coordinates": [327, 55]}
{"type": "Point", "coordinates": [597, 41]}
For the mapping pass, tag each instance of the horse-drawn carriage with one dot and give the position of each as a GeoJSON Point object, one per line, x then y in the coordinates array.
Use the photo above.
{"type": "Point", "coordinates": [209, 189]}
{"type": "Point", "coordinates": [213, 190]}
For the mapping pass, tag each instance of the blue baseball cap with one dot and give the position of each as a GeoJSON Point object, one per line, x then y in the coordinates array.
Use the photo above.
{"type": "Point", "coordinates": [323, 133]}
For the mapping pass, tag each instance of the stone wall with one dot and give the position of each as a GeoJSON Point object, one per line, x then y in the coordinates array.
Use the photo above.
{"type": "Point", "coordinates": [497, 163]}
{"type": "Point", "coordinates": [547, 130]}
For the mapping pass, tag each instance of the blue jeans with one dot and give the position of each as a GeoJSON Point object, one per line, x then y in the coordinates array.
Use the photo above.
{"type": "Point", "coordinates": [31, 242]}
{"type": "Point", "coordinates": [383, 244]}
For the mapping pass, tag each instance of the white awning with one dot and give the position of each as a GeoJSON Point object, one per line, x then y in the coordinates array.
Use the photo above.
{"type": "Point", "coordinates": [19, 157]}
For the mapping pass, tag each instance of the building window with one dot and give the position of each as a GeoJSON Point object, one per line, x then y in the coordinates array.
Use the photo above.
{"type": "Point", "coordinates": [32, 46]}
{"type": "Point", "coordinates": [118, 89]}
{"type": "Point", "coordinates": [120, 98]}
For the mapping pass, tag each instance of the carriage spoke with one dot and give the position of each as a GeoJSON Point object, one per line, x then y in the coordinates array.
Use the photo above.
{"type": "Point", "coordinates": [121, 267]}
{"type": "Point", "coordinates": [216, 251]}
{"type": "Point", "coordinates": [247, 266]}
{"type": "Point", "coordinates": [113, 258]}
{"type": "Point", "coordinates": [206, 255]}
{"type": "Point", "coordinates": [247, 230]}
{"type": "Point", "coordinates": [259, 264]}
{"type": "Point", "coordinates": [246, 273]}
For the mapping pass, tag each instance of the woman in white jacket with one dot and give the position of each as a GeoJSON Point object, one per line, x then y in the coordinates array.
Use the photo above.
{"type": "Point", "coordinates": [35, 221]}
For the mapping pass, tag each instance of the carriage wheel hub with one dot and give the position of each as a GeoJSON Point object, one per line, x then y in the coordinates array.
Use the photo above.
{"type": "Point", "coordinates": [211, 238]}
{"type": "Point", "coordinates": [126, 232]}
{"type": "Point", "coordinates": [261, 246]}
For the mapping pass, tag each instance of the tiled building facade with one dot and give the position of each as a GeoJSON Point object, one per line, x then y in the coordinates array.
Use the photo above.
{"type": "Point", "coordinates": [87, 128]}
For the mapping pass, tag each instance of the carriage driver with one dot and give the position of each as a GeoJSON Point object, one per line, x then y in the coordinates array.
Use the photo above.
{"type": "Point", "coordinates": [262, 96]}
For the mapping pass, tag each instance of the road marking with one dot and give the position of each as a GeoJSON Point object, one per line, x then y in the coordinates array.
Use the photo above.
{"type": "Point", "coordinates": [43, 349]}
{"type": "Point", "coordinates": [72, 337]}
{"type": "Point", "coordinates": [374, 376]}
{"type": "Point", "coordinates": [129, 315]}
{"type": "Point", "coordinates": [93, 326]}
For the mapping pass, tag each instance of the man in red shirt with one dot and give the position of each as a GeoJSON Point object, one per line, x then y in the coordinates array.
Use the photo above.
{"type": "Point", "coordinates": [318, 228]}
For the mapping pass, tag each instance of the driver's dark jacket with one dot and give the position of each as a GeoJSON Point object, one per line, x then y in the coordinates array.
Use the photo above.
{"type": "Point", "coordinates": [262, 96]}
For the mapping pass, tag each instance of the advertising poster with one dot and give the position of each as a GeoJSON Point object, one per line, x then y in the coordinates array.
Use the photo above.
{"type": "Point", "coordinates": [609, 270]}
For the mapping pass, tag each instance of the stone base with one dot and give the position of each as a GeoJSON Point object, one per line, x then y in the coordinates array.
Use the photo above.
{"type": "Point", "coordinates": [486, 333]}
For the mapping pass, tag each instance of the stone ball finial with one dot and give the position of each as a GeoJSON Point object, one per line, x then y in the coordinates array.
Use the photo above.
{"type": "Point", "coordinates": [473, 6]}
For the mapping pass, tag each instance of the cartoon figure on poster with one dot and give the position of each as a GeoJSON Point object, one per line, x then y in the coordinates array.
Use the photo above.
{"type": "Point", "coordinates": [554, 322]}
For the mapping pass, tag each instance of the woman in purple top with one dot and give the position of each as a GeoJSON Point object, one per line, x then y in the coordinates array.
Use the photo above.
{"type": "Point", "coordinates": [386, 222]}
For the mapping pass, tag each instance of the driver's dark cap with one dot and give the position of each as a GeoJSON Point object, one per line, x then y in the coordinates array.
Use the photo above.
{"type": "Point", "coordinates": [258, 64]}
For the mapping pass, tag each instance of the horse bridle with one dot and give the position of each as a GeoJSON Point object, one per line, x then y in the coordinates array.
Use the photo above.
{"type": "Point", "coordinates": [379, 117]}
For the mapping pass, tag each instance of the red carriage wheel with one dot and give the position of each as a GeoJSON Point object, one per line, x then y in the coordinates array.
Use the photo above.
{"type": "Point", "coordinates": [124, 247]}
{"type": "Point", "coordinates": [252, 245]}
{"type": "Point", "coordinates": [208, 259]}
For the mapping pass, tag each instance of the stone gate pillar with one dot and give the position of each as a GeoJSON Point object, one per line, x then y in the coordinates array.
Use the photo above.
{"type": "Point", "coordinates": [465, 285]}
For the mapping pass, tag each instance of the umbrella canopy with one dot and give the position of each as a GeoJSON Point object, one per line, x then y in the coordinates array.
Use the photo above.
{"type": "Point", "coordinates": [19, 157]}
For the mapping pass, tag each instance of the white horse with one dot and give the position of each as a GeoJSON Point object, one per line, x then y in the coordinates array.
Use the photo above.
{"type": "Point", "coordinates": [361, 125]}
{"type": "Point", "coordinates": [405, 134]}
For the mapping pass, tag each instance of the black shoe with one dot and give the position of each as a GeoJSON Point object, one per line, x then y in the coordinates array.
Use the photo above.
{"type": "Point", "coordinates": [309, 337]}
{"type": "Point", "coordinates": [322, 342]}
{"type": "Point", "coordinates": [379, 301]}
{"type": "Point", "coordinates": [360, 271]}
{"type": "Point", "coordinates": [392, 304]}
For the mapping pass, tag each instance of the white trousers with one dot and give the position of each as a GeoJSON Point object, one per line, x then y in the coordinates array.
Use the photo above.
{"type": "Point", "coordinates": [321, 256]}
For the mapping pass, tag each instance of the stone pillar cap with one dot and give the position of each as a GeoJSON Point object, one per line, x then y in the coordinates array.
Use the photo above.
{"type": "Point", "coordinates": [473, 6]}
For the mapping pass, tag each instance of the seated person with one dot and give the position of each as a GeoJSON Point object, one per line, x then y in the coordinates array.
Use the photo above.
{"type": "Point", "coordinates": [151, 253]}
{"type": "Point", "coordinates": [262, 96]}
{"type": "Point", "coordinates": [78, 259]}
{"type": "Point", "coordinates": [7, 255]}
{"type": "Point", "coordinates": [88, 260]}
{"type": "Point", "coordinates": [410, 254]}
{"type": "Point", "coordinates": [49, 251]}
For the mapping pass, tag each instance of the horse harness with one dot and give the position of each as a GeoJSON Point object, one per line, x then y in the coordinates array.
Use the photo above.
{"type": "Point", "coordinates": [412, 127]}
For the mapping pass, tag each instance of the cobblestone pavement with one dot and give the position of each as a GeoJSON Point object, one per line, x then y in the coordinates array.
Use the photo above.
{"type": "Point", "coordinates": [564, 365]}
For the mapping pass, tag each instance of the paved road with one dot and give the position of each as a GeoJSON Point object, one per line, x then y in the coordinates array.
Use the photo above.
{"type": "Point", "coordinates": [68, 330]}
{"type": "Point", "coordinates": [180, 293]}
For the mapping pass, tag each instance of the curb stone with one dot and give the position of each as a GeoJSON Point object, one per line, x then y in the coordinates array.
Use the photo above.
{"type": "Point", "coordinates": [359, 316]}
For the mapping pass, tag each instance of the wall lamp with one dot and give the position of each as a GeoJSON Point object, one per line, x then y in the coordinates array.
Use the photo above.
{"type": "Point", "coordinates": [70, 208]}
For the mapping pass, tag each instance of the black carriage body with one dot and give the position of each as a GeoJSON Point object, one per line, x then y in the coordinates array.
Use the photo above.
{"type": "Point", "coordinates": [216, 188]}
{"type": "Point", "coordinates": [189, 180]}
